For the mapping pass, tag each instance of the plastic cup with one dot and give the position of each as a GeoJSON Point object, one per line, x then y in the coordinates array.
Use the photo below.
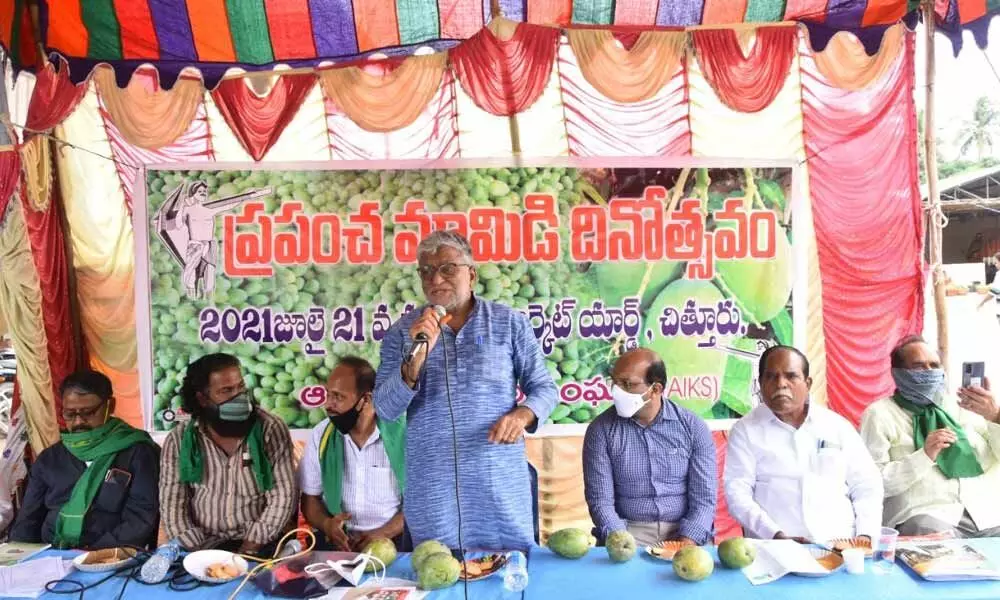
{"type": "Point", "coordinates": [885, 551]}
{"type": "Point", "coordinates": [854, 560]}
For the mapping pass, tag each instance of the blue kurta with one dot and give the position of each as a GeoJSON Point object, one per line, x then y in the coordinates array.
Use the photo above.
{"type": "Point", "coordinates": [495, 351]}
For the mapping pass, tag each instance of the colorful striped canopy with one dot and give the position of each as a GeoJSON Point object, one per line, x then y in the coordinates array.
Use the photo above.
{"type": "Point", "coordinates": [216, 34]}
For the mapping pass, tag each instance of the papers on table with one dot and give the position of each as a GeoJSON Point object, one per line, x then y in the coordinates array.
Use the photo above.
{"type": "Point", "coordinates": [946, 561]}
{"type": "Point", "coordinates": [28, 579]}
{"type": "Point", "coordinates": [777, 558]}
{"type": "Point", "coordinates": [390, 589]}
{"type": "Point", "coordinates": [12, 553]}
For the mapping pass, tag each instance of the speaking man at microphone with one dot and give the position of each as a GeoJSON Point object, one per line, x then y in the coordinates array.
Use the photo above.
{"type": "Point", "coordinates": [462, 370]}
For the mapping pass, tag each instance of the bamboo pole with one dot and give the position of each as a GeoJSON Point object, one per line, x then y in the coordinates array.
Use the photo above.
{"type": "Point", "coordinates": [36, 29]}
{"type": "Point", "coordinates": [934, 215]}
{"type": "Point", "coordinates": [496, 12]}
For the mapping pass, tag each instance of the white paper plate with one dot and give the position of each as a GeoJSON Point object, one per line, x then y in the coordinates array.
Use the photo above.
{"type": "Point", "coordinates": [197, 563]}
{"type": "Point", "coordinates": [79, 565]}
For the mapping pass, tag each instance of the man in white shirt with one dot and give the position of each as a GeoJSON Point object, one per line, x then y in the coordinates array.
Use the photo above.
{"type": "Point", "coordinates": [938, 456]}
{"type": "Point", "coordinates": [795, 470]}
{"type": "Point", "coordinates": [353, 471]}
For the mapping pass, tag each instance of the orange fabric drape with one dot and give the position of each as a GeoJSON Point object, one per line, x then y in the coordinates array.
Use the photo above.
{"type": "Point", "coordinates": [747, 83]}
{"type": "Point", "coordinates": [627, 75]}
{"type": "Point", "coordinates": [102, 255]}
{"type": "Point", "coordinates": [36, 162]}
{"type": "Point", "coordinates": [846, 65]}
{"type": "Point", "coordinates": [388, 102]}
{"type": "Point", "coordinates": [22, 303]}
{"type": "Point", "coordinates": [149, 117]}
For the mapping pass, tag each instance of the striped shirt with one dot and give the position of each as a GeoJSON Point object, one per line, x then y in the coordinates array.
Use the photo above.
{"type": "Point", "coordinates": [493, 353]}
{"type": "Point", "coordinates": [665, 472]}
{"type": "Point", "coordinates": [227, 505]}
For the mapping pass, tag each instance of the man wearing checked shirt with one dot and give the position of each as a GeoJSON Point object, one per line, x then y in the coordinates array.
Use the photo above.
{"type": "Point", "coordinates": [649, 465]}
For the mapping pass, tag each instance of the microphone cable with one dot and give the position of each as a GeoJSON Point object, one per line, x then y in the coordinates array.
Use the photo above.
{"type": "Point", "coordinates": [178, 579]}
{"type": "Point", "coordinates": [454, 434]}
{"type": "Point", "coordinates": [454, 446]}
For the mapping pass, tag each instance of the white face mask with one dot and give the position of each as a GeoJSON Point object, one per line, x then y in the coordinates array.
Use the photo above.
{"type": "Point", "coordinates": [626, 404]}
{"type": "Point", "coordinates": [351, 570]}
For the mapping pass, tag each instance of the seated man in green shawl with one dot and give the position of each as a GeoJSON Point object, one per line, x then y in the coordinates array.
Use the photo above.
{"type": "Point", "coordinates": [938, 455]}
{"type": "Point", "coordinates": [352, 473]}
{"type": "Point", "coordinates": [227, 479]}
{"type": "Point", "coordinates": [98, 486]}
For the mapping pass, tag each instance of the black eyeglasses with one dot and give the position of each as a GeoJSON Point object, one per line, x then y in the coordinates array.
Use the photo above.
{"type": "Point", "coordinates": [628, 386]}
{"type": "Point", "coordinates": [84, 414]}
{"type": "Point", "coordinates": [447, 270]}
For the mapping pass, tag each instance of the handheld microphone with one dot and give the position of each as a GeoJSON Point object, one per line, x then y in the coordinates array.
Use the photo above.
{"type": "Point", "coordinates": [421, 338]}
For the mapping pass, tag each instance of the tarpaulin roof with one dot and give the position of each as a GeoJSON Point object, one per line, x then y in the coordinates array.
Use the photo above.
{"type": "Point", "coordinates": [215, 35]}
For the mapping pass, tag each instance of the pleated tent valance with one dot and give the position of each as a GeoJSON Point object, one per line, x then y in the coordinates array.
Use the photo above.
{"type": "Point", "coordinates": [215, 35]}
{"type": "Point", "coordinates": [504, 70]}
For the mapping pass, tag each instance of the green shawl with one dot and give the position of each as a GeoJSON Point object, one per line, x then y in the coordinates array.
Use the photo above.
{"type": "Point", "coordinates": [192, 462]}
{"type": "Point", "coordinates": [955, 461]}
{"type": "Point", "coordinates": [98, 447]}
{"type": "Point", "coordinates": [331, 458]}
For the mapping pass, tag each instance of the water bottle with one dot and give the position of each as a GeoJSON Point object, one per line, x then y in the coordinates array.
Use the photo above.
{"type": "Point", "coordinates": [515, 575]}
{"type": "Point", "coordinates": [155, 569]}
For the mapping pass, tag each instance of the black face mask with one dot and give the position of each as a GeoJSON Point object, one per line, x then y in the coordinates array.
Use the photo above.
{"type": "Point", "coordinates": [346, 421]}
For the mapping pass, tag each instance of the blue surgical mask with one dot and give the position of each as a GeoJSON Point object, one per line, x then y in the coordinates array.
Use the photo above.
{"type": "Point", "coordinates": [920, 386]}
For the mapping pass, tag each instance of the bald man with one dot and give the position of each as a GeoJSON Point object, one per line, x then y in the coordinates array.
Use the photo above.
{"type": "Point", "coordinates": [649, 465]}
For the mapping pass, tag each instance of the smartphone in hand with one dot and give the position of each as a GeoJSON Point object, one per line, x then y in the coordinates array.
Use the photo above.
{"type": "Point", "coordinates": [973, 373]}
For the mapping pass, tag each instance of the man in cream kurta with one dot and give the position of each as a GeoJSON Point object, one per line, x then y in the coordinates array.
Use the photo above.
{"type": "Point", "coordinates": [920, 498]}
{"type": "Point", "coordinates": [795, 470]}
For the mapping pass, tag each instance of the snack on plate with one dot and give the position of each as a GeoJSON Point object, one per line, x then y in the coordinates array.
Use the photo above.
{"type": "Point", "coordinates": [842, 544]}
{"type": "Point", "coordinates": [472, 569]}
{"type": "Point", "coordinates": [668, 549]}
{"type": "Point", "coordinates": [830, 560]}
{"type": "Point", "coordinates": [108, 556]}
{"type": "Point", "coordinates": [484, 565]}
{"type": "Point", "coordinates": [222, 571]}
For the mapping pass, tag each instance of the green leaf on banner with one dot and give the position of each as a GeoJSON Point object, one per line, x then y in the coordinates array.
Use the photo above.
{"type": "Point", "coordinates": [782, 326]}
{"type": "Point", "coordinates": [772, 194]}
{"type": "Point", "coordinates": [716, 200]}
{"type": "Point", "coordinates": [721, 411]}
{"type": "Point", "coordinates": [736, 382]}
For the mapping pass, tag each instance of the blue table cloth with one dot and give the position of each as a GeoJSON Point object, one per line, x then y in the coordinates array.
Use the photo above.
{"type": "Point", "coordinates": [487, 589]}
{"type": "Point", "coordinates": [595, 576]}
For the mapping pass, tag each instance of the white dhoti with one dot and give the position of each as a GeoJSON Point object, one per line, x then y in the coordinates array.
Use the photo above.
{"type": "Point", "coordinates": [200, 255]}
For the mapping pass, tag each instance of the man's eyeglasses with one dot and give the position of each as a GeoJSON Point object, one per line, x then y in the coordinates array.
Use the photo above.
{"type": "Point", "coordinates": [447, 270]}
{"type": "Point", "coordinates": [86, 413]}
{"type": "Point", "coordinates": [628, 386]}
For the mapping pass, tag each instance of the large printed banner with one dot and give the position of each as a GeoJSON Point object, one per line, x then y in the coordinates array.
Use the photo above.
{"type": "Point", "coordinates": [291, 269]}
